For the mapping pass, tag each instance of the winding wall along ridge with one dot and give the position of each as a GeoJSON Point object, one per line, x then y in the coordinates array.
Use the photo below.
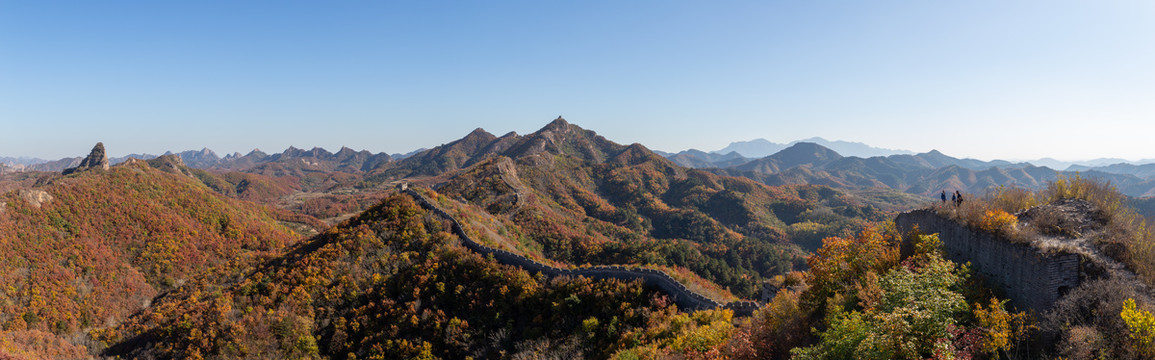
{"type": "Point", "coordinates": [685, 298]}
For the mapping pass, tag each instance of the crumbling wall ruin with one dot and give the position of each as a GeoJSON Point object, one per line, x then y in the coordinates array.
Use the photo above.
{"type": "Point", "coordinates": [1031, 278]}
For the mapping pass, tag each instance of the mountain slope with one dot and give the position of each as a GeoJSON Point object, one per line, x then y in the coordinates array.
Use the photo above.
{"type": "Point", "coordinates": [583, 199]}
{"type": "Point", "coordinates": [89, 249]}
{"type": "Point", "coordinates": [389, 283]}
{"type": "Point", "coordinates": [1145, 171]}
{"type": "Point", "coordinates": [923, 174]}
{"type": "Point", "coordinates": [474, 147]}
{"type": "Point", "coordinates": [701, 159]}
{"type": "Point", "coordinates": [799, 154]}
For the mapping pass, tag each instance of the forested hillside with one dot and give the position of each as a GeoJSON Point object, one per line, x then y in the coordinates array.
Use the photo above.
{"type": "Point", "coordinates": [89, 249]}
{"type": "Point", "coordinates": [583, 199]}
{"type": "Point", "coordinates": [390, 283]}
{"type": "Point", "coordinates": [156, 259]}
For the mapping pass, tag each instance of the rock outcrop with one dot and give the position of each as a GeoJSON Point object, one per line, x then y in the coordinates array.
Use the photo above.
{"type": "Point", "coordinates": [35, 197]}
{"type": "Point", "coordinates": [96, 159]}
{"type": "Point", "coordinates": [171, 163]}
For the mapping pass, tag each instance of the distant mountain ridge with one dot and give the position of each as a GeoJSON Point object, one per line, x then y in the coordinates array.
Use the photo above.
{"type": "Point", "coordinates": [756, 148]}
{"type": "Point", "coordinates": [842, 164]}
{"type": "Point", "coordinates": [21, 160]}
{"type": "Point", "coordinates": [1143, 171]}
{"type": "Point", "coordinates": [736, 153]}
{"type": "Point", "coordinates": [923, 174]}
{"type": "Point", "coordinates": [700, 159]}
{"type": "Point", "coordinates": [761, 148]}
{"type": "Point", "coordinates": [345, 159]}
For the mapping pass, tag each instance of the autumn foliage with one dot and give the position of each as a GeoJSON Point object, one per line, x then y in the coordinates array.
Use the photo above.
{"type": "Point", "coordinates": [110, 241]}
{"type": "Point", "coordinates": [638, 208]}
{"type": "Point", "coordinates": [390, 283]}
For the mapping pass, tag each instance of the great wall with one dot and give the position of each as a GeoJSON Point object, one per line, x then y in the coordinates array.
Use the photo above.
{"type": "Point", "coordinates": [686, 299]}
{"type": "Point", "coordinates": [1032, 278]}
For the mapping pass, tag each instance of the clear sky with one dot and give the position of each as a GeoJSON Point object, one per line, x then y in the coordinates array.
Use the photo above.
{"type": "Point", "coordinates": [983, 79]}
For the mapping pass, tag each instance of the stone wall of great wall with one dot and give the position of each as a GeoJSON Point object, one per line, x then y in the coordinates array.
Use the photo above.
{"type": "Point", "coordinates": [1030, 278]}
{"type": "Point", "coordinates": [685, 298]}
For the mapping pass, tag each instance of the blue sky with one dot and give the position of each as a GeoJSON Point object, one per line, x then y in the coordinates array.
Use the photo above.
{"type": "Point", "coordinates": [984, 79]}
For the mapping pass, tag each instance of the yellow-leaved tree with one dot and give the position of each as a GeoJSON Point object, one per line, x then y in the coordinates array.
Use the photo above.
{"type": "Point", "coordinates": [1141, 323]}
{"type": "Point", "coordinates": [1003, 329]}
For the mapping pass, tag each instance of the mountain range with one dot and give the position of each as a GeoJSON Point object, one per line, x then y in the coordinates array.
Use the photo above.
{"type": "Point", "coordinates": [313, 254]}
{"type": "Point", "coordinates": [800, 163]}
{"type": "Point", "coordinates": [921, 174]}
{"type": "Point", "coordinates": [174, 242]}
{"type": "Point", "coordinates": [761, 147]}
{"type": "Point", "coordinates": [740, 155]}
{"type": "Point", "coordinates": [745, 151]}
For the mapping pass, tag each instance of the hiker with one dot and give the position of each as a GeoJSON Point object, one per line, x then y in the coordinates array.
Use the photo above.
{"type": "Point", "coordinates": [943, 196]}
{"type": "Point", "coordinates": [960, 199]}
{"type": "Point", "coordinates": [954, 199]}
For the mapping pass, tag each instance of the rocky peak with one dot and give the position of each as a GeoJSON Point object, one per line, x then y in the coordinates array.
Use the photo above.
{"type": "Point", "coordinates": [170, 164]}
{"type": "Point", "coordinates": [96, 159]}
{"type": "Point", "coordinates": [560, 121]}
{"type": "Point", "coordinates": [318, 152]}
{"type": "Point", "coordinates": [171, 159]}
{"type": "Point", "coordinates": [478, 135]}
{"type": "Point", "coordinates": [562, 138]}
{"type": "Point", "coordinates": [345, 152]}
{"type": "Point", "coordinates": [556, 126]}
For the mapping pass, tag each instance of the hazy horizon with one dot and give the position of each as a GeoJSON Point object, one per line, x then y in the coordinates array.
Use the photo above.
{"type": "Point", "coordinates": [112, 153]}
{"type": "Point", "coordinates": [1068, 80]}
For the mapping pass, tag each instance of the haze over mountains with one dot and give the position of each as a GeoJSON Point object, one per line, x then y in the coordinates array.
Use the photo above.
{"type": "Point", "coordinates": [759, 148]}
{"type": "Point", "coordinates": [736, 153]}
{"type": "Point", "coordinates": [763, 147]}
{"type": "Point", "coordinates": [841, 164]}
{"type": "Point", "coordinates": [922, 174]}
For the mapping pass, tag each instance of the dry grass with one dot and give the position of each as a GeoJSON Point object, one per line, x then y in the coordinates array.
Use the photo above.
{"type": "Point", "coordinates": [1126, 236]}
{"type": "Point", "coordinates": [1050, 221]}
{"type": "Point", "coordinates": [1102, 194]}
{"type": "Point", "coordinates": [1090, 313]}
{"type": "Point", "coordinates": [1012, 199]}
{"type": "Point", "coordinates": [993, 213]}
